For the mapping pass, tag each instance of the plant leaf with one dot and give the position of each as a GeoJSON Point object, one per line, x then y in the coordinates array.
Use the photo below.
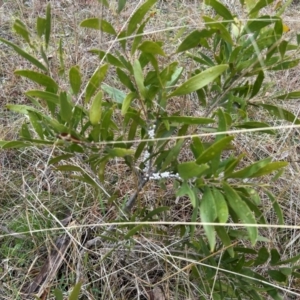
{"type": "Point", "coordinates": [215, 149]}
{"type": "Point", "coordinates": [127, 101]}
{"type": "Point", "coordinates": [188, 120]}
{"type": "Point", "coordinates": [269, 168]}
{"type": "Point", "coordinates": [220, 9]}
{"type": "Point", "coordinates": [25, 55]}
{"type": "Point", "coordinates": [152, 48]}
{"type": "Point", "coordinates": [99, 24]}
{"type": "Point", "coordinates": [221, 206]}
{"type": "Point", "coordinates": [190, 169]}
{"type": "Point", "coordinates": [96, 109]}
{"type": "Point", "coordinates": [248, 171]}
{"type": "Point", "coordinates": [65, 107]}
{"type": "Point", "coordinates": [40, 26]}
{"type": "Point", "coordinates": [242, 211]}
{"type": "Point", "coordinates": [223, 235]}
{"type": "Point", "coordinates": [138, 16]}
{"type": "Point", "coordinates": [139, 78]}
{"type": "Point", "coordinates": [199, 81]}
{"type": "Point", "coordinates": [253, 124]}
{"type": "Point", "coordinates": [117, 95]}
{"type": "Point", "coordinates": [208, 213]}
{"type": "Point", "coordinates": [95, 82]}
{"type": "Point", "coordinates": [280, 113]}
{"type": "Point", "coordinates": [133, 231]}
{"type": "Point", "coordinates": [259, 5]}
{"type": "Point", "coordinates": [259, 23]}
{"type": "Point", "coordinates": [47, 96]}
{"type": "Point", "coordinates": [75, 79]}
{"type": "Point", "coordinates": [48, 25]}
{"type": "Point", "coordinates": [75, 292]}
{"type": "Point", "coordinates": [121, 5]}
{"type": "Point", "coordinates": [262, 256]}
{"type": "Point", "coordinates": [21, 29]}
{"type": "Point", "coordinates": [155, 212]}
{"type": "Point", "coordinates": [221, 29]}
{"type": "Point", "coordinates": [39, 78]}
{"type": "Point", "coordinates": [291, 95]}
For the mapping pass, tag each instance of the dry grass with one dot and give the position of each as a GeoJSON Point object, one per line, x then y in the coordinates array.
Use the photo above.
{"type": "Point", "coordinates": [34, 199]}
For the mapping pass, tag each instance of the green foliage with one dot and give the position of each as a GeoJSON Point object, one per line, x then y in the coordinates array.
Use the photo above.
{"type": "Point", "coordinates": [231, 60]}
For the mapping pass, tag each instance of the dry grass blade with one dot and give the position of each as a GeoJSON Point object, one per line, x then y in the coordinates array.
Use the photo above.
{"type": "Point", "coordinates": [48, 272]}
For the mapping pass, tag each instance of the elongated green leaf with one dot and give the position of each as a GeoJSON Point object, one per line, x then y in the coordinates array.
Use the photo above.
{"type": "Point", "coordinates": [138, 16]}
{"type": "Point", "coordinates": [24, 132]}
{"type": "Point", "coordinates": [280, 113]}
{"type": "Point", "coordinates": [185, 189]}
{"type": "Point", "coordinates": [138, 37]}
{"type": "Point", "coordinates": [259, 5]}
{"type": "Point", "coordinates": [155, 212]}
{"type": "Point", "coordinates": [75, 292]}
{"type": "Point", "coordinates": [20, 108]}
{"type": "Point", "coordinates": [214, 150]}
{"type": "Point", "coordinates": [57, 159]}
{"type": "Point", "coordinates": [133, 231]}
{"type": "Point", "coordinates": [35, 122]}
{"type": "Point", "coordinates": [188, 120]}
{"type": "Point", "coordinates": [242, 211]}
{"type": "Point", "coordinates": [247, 172]}
{"type": "Point", "coordinates": [47, 96]}
{"type": "Point", "coordinates": [220, 9]}
{"type": "Point", "coordinates": [232, 165]}
{"type": "Point", "coordinates": [14, 144]}
{"type": "Point", "coordinates": [121, 5]}
{"type": "Point", "coordinates": [139, 78]}
{"type": "Point", "coordinates": [39, 78]}
{"type": "Point", "coordinates": [95, 81]}
{"type": "Point", "coordinates": [116, 95]}
{"type": "Point", "coordinates": [190, 169]}
{"type": "Point", "coordinates": [69, 168]}
{"type": "Point", "coordinates": [286, 65]}
{"type": "Point", "coordinates": [120, 152]}
{"type": "Point", "coordinates": [208, 213]}
{"type": "Point", "coordinates": [291, 95]}
{"type": "Point", "coordinates": [104, 2]}
{"type": "Point", "coordinates": [152, 48]}
{"type": "Point", "coordinates": [48, 25]}
{"type": "Point", "coordinates": [65, 107]}
{"type": "Point", "coordinates": [40, 26]}
{"type": "Point", "coordinates": [125, 79]}
{"type": "Point", "coordinates": [99, 24]}
{"type": "Point", "coordinates": [262, 256]}
{"type": "Point", "coordinates": [127, 101]}
{"type": "Point", "coordinates": [259, 23]}
{"type": "Point", "coordinates": [199, 81]}
{"type": "Point", "coordinates": [21, 29]}
{"type": "Point", "coordinates": [221, 205]}
{"type": "Point", "coordinates": [257, 84]}
{"type": "Point", "coordinates": [276, 207]}
{"type": "Point", "coordinates": [173, 154]}
{"type": "Point", "coordinates": [223, 235]}
{"type": "Point", "coordinates": [275, 257]}
{"type": "Point", "coordinates": [58, 294]}
{"type": "Point", "coordinates": [96, 109]}
{"type": "Point", "coordinates": [113, 60]}
{"type": "Point", "coordinates": [25, 55]}
{"type": "Point", "coordinates": [277, 275]}
{"type": "Point", "coordinates": [271, 167]}
{"type": "Point", "coordinates": [214, 24]}
{"type": "Point", "coordinates": [250, 125]}
{"type": "Point", "coordinates": [75, 79]}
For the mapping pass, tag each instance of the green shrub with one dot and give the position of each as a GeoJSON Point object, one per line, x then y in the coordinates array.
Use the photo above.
{"type": "Point", "coordinates": [231, 59]}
